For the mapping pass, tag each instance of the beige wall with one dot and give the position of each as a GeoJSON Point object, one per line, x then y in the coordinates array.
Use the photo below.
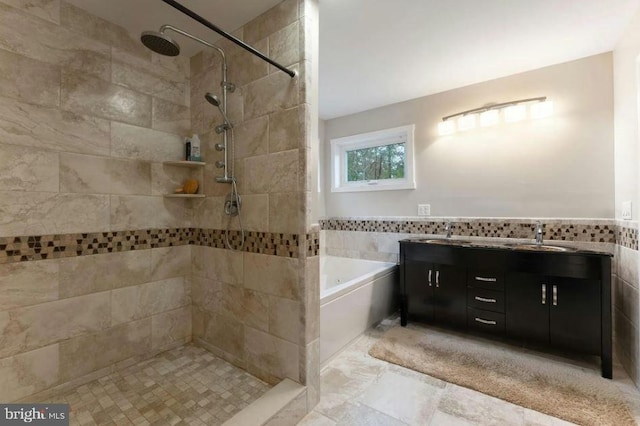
{"type": "Point", "coordinates": [86, 116]}
{"type": "Point", "coordinates": [557, 167]}
{"type": "Point", "coordinates": [626, 295]}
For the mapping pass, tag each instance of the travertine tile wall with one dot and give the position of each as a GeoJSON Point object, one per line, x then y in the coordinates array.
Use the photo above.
{"type": "Point", "coordinates": [626, 299]}
{"type": "Point", "coordinates": [87, 115]}
{"type": "Point", "coordinates": [261, 311]}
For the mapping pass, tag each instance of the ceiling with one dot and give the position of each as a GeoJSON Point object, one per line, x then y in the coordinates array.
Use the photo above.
{"type": "Point", "coordinates": [144, 15]}
{"type": "Point", "coordinates": [379, 52]}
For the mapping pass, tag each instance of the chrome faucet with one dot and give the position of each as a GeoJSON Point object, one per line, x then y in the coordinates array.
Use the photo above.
{"type": "Point", "coordinates": [539, 233]}
{"type": "Point", "coordinates": [447, 229]}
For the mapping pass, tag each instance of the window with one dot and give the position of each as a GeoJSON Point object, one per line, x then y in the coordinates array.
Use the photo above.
{"type": "Point", "coordinates": [373, 161]}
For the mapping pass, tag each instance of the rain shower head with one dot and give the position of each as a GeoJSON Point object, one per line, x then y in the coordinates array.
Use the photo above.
{"type": "Point", "coordinates": [213, 100]}
{"type": "Point", "coordinates": [160, 43]}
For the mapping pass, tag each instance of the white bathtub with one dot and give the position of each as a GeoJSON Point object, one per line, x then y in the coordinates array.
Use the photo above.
{"type": "Point", "coordinates": [354, 295]}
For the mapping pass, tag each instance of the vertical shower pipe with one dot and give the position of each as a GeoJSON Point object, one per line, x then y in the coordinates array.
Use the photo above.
{"type": "Point", "coordinates": [224, 106]}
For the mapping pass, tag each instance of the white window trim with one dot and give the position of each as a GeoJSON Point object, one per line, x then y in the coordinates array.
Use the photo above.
{"type": "Point", "coordinates": [340, 146]}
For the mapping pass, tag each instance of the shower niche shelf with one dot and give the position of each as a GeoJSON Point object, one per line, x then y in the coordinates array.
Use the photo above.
{"type": "Point", "coordinates": [190, 165]}
{"type": "Point", "coordinates": [184, 196]}
{"type": "Point", "coordinates": [183, 163]}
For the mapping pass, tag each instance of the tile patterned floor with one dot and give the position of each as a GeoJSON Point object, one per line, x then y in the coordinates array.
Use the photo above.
{"type": "Point", "coordinates": [357, 389]}
{"type": "Point", "coordinates": [184, 386]}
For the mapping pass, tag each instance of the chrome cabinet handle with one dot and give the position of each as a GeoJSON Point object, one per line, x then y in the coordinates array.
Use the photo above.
{"type": "Point", "coordinates": [555, 295]}
{"type": "Point", "coordinates": [484, 299]}
{"type": "Point", "coordinates": [429, 277]}
{"type": "Point", "coordinates": [437, 278]}
{"type": "Point", "coordinates": [488, 280]}
{"type": "Point", "coordinates": [544, 294]}
{"type": "Point", "coordinates": [484, 321]}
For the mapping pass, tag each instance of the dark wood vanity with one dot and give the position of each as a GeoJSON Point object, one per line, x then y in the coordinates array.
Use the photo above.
{"type": "Point", "coordinates": [525, 294]}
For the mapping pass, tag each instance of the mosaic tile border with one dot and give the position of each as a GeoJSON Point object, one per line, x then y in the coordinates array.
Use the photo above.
{"type": "Point", "coordinates": [627, 237]}
{"type": "Point", "coordinates": [275, 244]}
{"type": "Point", "coordinates": [560, 230]}
{"type": "Point", "coordinates": [56, 246]}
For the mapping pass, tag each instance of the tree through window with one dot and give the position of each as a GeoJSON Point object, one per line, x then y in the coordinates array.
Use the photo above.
{"type": "Point", "coordinates": [373, 161]}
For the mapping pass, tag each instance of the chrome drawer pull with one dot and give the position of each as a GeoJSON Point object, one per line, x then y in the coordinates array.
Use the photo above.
{"type": "Point", "coordinates": [429, 277]}
{"type": "Point", "coordinates": [484, 299]}
{"type": "Point", "coordinates": [488, 280]}
{"type": "Point", "coordinates": [555, 295]}
{"type": "Point", "coordinates": [544, 294]}
{"type": "Point", "coordinates": [484, 321]}
{"type": "Point", "coordinates": [437, 278]}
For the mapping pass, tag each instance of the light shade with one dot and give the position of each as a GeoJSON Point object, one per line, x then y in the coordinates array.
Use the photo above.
{"type": "Point", "coordinates": [542, 109]}
{"type": "Point", "coordinates": [515, 113]}
{"type": "Point", "coordinates": [490, 118]}
{"type": "Point", "coordinates": [446, 128]}
{"type": "Point", "coordinates": [467, 122]}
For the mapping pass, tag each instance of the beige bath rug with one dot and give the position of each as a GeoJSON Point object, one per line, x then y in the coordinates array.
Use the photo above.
{"type": "Point", "coordinates": [562, 391]}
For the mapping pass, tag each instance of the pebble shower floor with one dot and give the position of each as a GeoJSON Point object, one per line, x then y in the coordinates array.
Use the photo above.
{"type": "Point", "coordinates": [184, 386]}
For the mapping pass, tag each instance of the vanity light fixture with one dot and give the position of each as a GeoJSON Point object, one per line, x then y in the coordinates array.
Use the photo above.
{"type": "Point", "coordinates": [489, 118]}
{"type": "Point", "coordinates": [515, 113]}
{"type": "Point", "coordinates": [466, 122]}
{"type": "Point", "coordinates": [491, 115]}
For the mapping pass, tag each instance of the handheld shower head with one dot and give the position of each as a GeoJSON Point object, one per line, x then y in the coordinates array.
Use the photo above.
{"type": "Point", "coordinates": [160, 43]}
{"type": "Point", "coordinates": [213, 100]}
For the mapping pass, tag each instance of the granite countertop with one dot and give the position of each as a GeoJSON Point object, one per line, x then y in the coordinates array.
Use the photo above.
{"type": "Point", "coordinates": [554, 247]}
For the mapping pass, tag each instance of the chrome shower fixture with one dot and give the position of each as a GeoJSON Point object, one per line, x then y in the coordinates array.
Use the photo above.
{"type": "Point", "coordinates": [160, 43]}
{"type": "Point", "coordinates": [228, 36]}
{"type": "Point", "coordinates": [213, 100]}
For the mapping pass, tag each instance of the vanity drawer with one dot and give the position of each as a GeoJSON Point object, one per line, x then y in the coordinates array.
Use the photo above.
{"type": "Point", "coordinates": [485, 321]}
{"type": "Point", "coordinates": [486, 300]}
{"type": "Point", "coordinates": [491, 280]}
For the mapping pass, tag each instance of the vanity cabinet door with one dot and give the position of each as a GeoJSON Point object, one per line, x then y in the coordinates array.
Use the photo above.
{"type": "Point", "coordinates": [575, 314]}
{"type": "Point", "coordinates": [527, 307]}
{"type": "Point", "coordinates": [451, 295]}
{"type": "Point", "coordinates": [419, 285]}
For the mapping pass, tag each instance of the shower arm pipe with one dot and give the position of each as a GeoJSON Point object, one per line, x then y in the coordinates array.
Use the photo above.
{"type": "Point", "coordinates": [213, 46]}
{"type": "Point", "coordinates": [224, 83]}
{"type": "Point", "coordinates": [228, 36]}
